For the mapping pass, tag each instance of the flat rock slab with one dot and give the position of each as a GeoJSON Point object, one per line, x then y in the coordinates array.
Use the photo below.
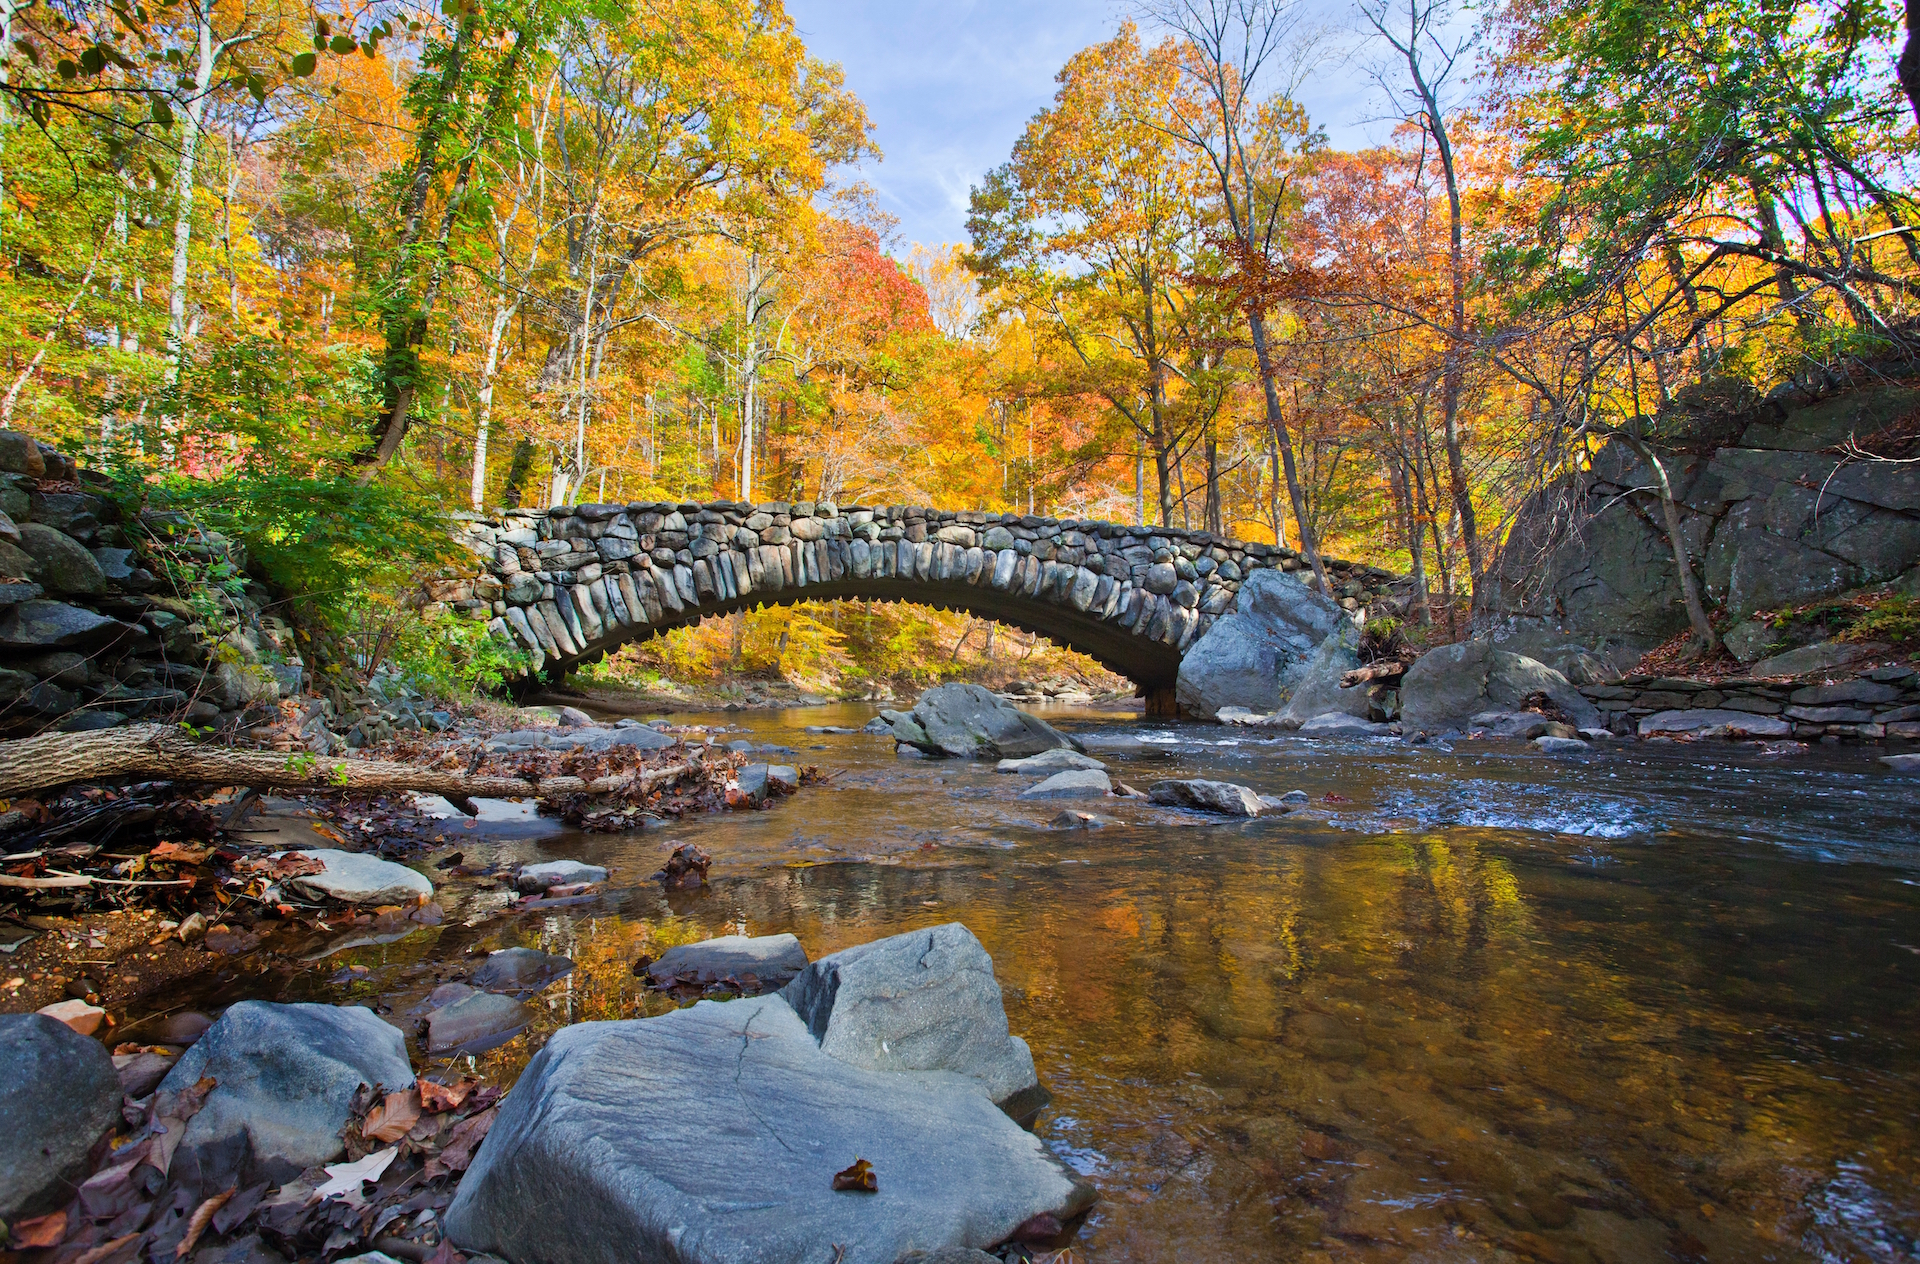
{"type": "Point", "coordinates": [593, 738]}
{"type": "Point", "coordinates": [520, 970]}
{"type": "Point", "coordinates": [969, 722]}
{"type": "Point", "coordinates": [1813, 658]}
{"type": "Point", "coordinates": [1080, 783]}
{"type": "Point", "coordinates": [58, 1095]}
{"type": "Point", "coordinates": [1712, 722]}
{"type": "Point", "coordinates": [773, 959]}
{"type": "Point", "coordinates": [923, 1001]}
{"type": "Point", "coordinates": [711, 1135]}
{"type": "Point", "coordinates": [355, 878]}
{"type": "Point", "coordinates": [1222, 797]}
{"type": "Point", "coordinates": [1060, 760]}
{"type": "Point", "coordinates": [1561, 745]}
{"type": "Point", "coordinates": [556, 873]}
{"type": "Point", "coordinates": [1902, 763]}
{"type": "Point", "coordinates": [286, 1077]}
{"type": "Point", "coordinates": [475, 1023]}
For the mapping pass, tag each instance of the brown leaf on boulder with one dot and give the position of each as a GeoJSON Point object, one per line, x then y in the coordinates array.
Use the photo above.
{"type": "Point", "coordinates": [859, 1178]}
{"type": "Point", "coordinates": [279, 868]}
{"type": "Point", "coordinates": [439, 1097]}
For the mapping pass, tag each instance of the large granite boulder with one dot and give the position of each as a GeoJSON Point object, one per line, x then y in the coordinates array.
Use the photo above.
{"type": "Point", "coordinates": [62, 564]}
{"type": "Point", "coordinates": [923, 1001]}
{"type": "Point", "coordinates": [356, 878]}
{"type": "Point", "coordinates": [286, 1076]}
{"type": "Point", "coordinates": [1317, 692]}
{"type": "Point", "coordinates": [1447, 687]}
{"type": "Point", "coordinates": [58, 1095]}
{"type": "Point", "coordinates": [1256, 656]}
{"type": "Point", "coordinates": [1224, 798]}
{"type": "Point", "coordinates": [971, 722]}
{"type": "Point", "coordinates": [712, 1135]}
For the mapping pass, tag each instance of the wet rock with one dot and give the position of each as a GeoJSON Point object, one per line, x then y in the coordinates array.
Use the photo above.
{"type": "Point", "coordinates": [1711, 722]}
{"type": "Point", "coordinates": [619, 1124]}
{"type": "Point", "coordinates": [1078, 783]}
{"type": "Point", "coordinates": [1081, 820]}
{"type": "Point", "coordinates": [77, 1014]}
{"type": "Point", "coordinates": [923, 1001]}
{"type": "Point", "coordinates": [1223, 797]}
{"type": "Point", "coordinates": [950, 1255]}
{"type": "Point", "coordinates": [1240, 715]}
{"type": "Point", "coordinates": [1058, 760]}
{"type": "Point", "coordinates": [1338, 724]}
{"type": "Point", "coordinates": [1521, 725]}
{"type": "Point", "coordinates": [573, 718]}
{"type": "Point", "coordinates": [286, 1075]}
{"type": "Point", "coordinates": [355, 878]}
{"type": "Point", "coordinates": [58, 1095]}
{"type": "Point", "coordinates": [1561, 745]}
{"type": "Point", "coordinates": [1902, 763]}
{"type": "Point", "coordinates": [772, 959]}
{"type": "Point", "coordinates": [686, 869]}
{"type": "Point", "coordinates": [556, 873]}
{"type": "Point", "coordinates": [1446, 687]}
{"type": "Point", "coordinates": [969, 722]}
{"type": "Point", "coordinates": [1318, 691]}
{"type": "Point", "coordinates": [1255, 656]}
{"type": "Point", "coordinates": [520, 970]}
{"type": "Point", "coordinates": [756, 783]}
{"type": "Point", "coordinates": [181, 1029]}
{"type": "Point", "coordinates": [62, 564]}
{"type": "Point", "coordinates": [593, 738]}
{"type": "Point", "coordinates": [473, 1023]}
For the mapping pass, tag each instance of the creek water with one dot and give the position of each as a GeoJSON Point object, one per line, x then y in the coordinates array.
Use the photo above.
{"type": "Point", "coordinates": [1472, 1003]}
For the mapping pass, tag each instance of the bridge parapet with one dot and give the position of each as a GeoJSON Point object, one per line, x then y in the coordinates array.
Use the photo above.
{"type": "Point", "coordinates": [569, 584]}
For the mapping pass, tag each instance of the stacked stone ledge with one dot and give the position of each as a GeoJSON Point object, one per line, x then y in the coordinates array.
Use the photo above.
{"type": "Point", "coordinates": [1882, 705]}
{"type": "Point", "coordinates": [565, 583]}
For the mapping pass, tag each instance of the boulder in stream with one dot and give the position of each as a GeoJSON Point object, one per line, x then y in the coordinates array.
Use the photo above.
{"type": "Point", "coordinates": [555, 873]}
{"type": "Point", "coordinates": [1713, 722]}
{"type": "Point", "coordinates": [58, 1096]}
{"type": "Point", "coordinates": [520, 970]}
{"type": "Point", "coordinates": [356, 878]}
{"type": "Point", "coordinates": [1447, 687]}
{"type": "Point", "coordinates": [970, 722]}
{"type": "Point", "coordinates": [1222, 797]}
{"type": "Point", "coordinates": [1255, 656]}
{"type": "Point", "coordinates": [711, 1135]}
{"type": "Point", "coordinates": [1057, 760]}
{"type": "Point", "coordinates": [1078, 783]}
{"type": "Point", "coordinates": [483, 1020]}
{"type": "Point", "coordinates": [286, 1076]}
{"type": "Point", "coordinates": [772, 959]}
{"type": "Point", "coordinates": [923, 1001]}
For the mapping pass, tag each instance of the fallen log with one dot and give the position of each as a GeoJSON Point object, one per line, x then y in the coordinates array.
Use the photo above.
{"type": "Point", "coordinates": [158, 752]}
{"type": "Point", "coordinates": [1373, 671]}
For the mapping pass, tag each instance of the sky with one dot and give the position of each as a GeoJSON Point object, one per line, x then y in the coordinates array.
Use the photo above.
{"type": "Point", "coordinates": [950, 85]}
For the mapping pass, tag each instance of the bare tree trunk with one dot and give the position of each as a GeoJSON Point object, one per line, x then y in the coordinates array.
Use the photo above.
{"type": "Point", "coordinates": [1706, 640]}
{"type": "Point", "coordinates": [1276, 422]}
{"type": "Point", "coordinates": [1909, 65]}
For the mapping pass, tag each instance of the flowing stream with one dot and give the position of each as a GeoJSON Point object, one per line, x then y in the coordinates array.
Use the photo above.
{"type": "Point", "coordinates": [1470, 1004]}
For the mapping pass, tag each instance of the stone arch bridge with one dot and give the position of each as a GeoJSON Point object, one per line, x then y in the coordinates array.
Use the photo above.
{"type": "Point", "coordinates": [572, 583]}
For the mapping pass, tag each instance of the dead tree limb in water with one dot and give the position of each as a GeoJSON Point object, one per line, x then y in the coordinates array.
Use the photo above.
{"type": "Point", "coordinates": [158, 752]}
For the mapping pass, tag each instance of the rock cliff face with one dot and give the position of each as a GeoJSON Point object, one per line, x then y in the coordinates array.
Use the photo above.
{"type": "Point", "coordinates": [1776, 512]}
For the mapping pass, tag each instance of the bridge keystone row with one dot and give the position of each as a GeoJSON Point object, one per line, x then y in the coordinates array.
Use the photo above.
{"type": "Point", "coordinates": [569, 584]}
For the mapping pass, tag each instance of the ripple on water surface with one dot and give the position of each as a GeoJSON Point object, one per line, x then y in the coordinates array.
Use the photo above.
{"type": "Point", "coordinates": [1471, 1004]}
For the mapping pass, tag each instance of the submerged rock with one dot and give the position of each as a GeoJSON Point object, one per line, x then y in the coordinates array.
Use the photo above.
{"type": "Point", "coordinates": [1058, 760]}
{"type": "Point", "coordinates": [520, 970]}
{"type": "Point", "coordinates": [286, 1076]}
{"type": "Point", "coordinates": [1079, 783]}
{"type": "Point", "coordinates": [617, 1145]}
{"type": "Point", "coordinates": [1223, 797]}
{"type": "Point", "coordinates": [1340, 724]}
{"type": "Point", "coordinates": [356, 878]}
{"type": "Point", "coordinates": [1902, 763]}
{"type": "Point", "coordinates": [1081, 820]}
{"type": "Point", "coordinates": [772, 959]}
{"type": "Point", "coordinates": [473, 1023]}
{"type": "Point", "coordinates": [58, 1096]}
{"type": "Point", "coordinates": [1561, 745]}
{"type": "Point", "coordinates": [1254, 656]}
{"type": "Point", "coordinates": [970, 722]}
{"type": "Point", "coordinates": [923, 1001]}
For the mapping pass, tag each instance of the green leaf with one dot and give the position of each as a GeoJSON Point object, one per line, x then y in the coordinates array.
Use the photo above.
{"type": "Point", "coordinates": [162, 112]}
{"type": "Point", "coordinates": [26, 46]}
{"type": "Point", "coordinates": [93, 60]}
{"type": "Point", "coordinates": [257, 85]}
{"type": "Point", "coordinates": [67, 69]}
{"type": "Point", "coordinates": [304, 63]}
{"type": "Point", "coordinates": [343, 44]}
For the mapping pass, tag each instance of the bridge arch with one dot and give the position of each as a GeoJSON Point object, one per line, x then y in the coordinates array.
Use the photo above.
{"type": "Point", "coordinates": [567, 585]}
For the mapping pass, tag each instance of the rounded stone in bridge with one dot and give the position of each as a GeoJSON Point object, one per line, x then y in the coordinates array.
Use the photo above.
{"type": "Point", "coordinates": [572, 583]}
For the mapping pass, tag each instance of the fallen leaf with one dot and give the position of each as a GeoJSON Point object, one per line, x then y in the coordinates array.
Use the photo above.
{"type": "Point", "coordinates": [458, 1152]}
{"type": "Point", "coordinates": [197, 1223]}
{"type": "Point", "coordinates": [104, 1250]}
{"type": "Point", "coordinates": [40, 1232]}
{"type": "Point", "coordinates": [228, 1218]}
{"type": "Point", "coordinates": [859, 1178]}
{"type": "Point", "coordinates": [292, 865]}
{"type": "Point", "coordinates": [391, 1118]}
{"type": "Point", "coordinates": [346, 1178]}
{"type": "Point", "coordinates": [439, 1097]}
{"type": "Point", "coordinates": [175, 854]}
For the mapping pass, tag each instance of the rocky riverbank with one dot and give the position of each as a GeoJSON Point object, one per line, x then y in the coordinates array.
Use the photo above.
{"type": "Point", "coordinates": [304, 1131]}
